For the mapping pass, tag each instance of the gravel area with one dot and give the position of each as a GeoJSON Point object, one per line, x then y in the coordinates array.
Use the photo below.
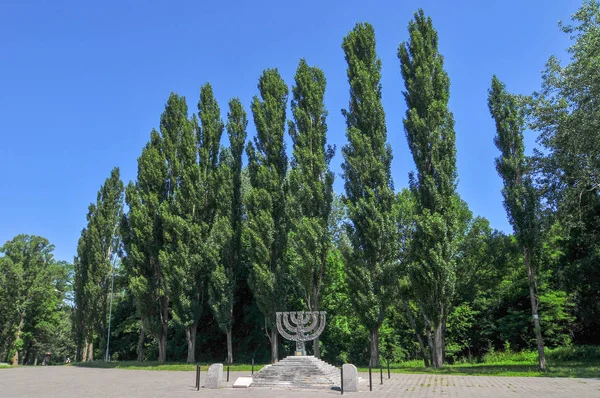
{"type": "Point", "coordinates": [71, 381]}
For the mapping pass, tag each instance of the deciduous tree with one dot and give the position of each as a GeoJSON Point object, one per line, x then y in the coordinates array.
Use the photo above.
{"type": "Point", "coordinates": [225, 275]}
{"type": "Point", "coordinates": [267, 226]}
{"type": "Point", "coordinates": [520, 196]}
{"type": "Point", "coordinates": [371, 258]}
{"type": "Point", "coordinates": [429, 127]}
{"type": "Point", "coordinates": [311, 183]}
{"type": "Point", "coordinates": [98, 243]}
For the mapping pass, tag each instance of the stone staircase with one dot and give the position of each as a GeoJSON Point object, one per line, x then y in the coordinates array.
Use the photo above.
{"type": "Point", "coordinates": [298, 372]}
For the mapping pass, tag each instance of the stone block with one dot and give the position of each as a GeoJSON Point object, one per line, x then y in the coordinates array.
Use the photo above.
{"type": "Point", "coordinates": [350, 377]}
{"type": "Point", "coordinates": [214, 376]}
{"type": "Point", "coordinates": [242, 382]}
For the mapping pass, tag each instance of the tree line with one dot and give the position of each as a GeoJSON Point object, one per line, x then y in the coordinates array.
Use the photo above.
{"type": "Point", "coordinates": [204, 250]}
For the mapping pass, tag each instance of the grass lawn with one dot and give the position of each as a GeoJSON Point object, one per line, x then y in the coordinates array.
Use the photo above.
{"type": "Point", "coordinates": [582, 361]}
{"type": "Point", "coordinates": [507, 368]}
{"type": "Point", "coordinates": [153, 365]}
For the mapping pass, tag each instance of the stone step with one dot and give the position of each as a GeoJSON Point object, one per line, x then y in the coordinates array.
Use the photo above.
{"type": "Point", "coordinates": [306, 372]}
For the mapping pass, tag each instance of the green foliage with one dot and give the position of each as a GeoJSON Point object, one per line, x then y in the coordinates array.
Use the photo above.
{"type": "Point", "coordinates": [32, 289]}
{"type": "Point", "coordinates": [224, 277]}
{"type": "Point", "coordinates": [267, 227]}
{"type": "Point", "coordinates": [98, 243]}
{"type": "Point", "coordinates": [370, 259]}
{"type": "Point", "coordinates": [310, 182]}
{"type": "Point", "coordinates": [142, 227]}
{"type": "Point", "coordinates": [565, 111]}
{"type": "Point", "coordinates": [429, 127]}
{"type": "Point", "coordinates": [520, 196]}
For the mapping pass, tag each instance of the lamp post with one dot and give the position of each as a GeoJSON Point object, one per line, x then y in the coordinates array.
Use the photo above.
{"type": "Point", "coordinates": [112, 284]}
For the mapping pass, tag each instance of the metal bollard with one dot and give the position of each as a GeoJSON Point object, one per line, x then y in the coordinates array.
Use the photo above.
{"type": "Point", "coordinates": [228, 373]}
{"type": "Point", "coordinates": [388, 369]}
{"type": "Point", "coordinates": [381, 372]}
{"type": "Point", "coordinates": [252, 365]}
{"type": "Point", "coordinates": [370, 380]}
{"type": "Point", "coordinates": [342, 379]}
{"type": "Point", "coordinates": [197, 377]}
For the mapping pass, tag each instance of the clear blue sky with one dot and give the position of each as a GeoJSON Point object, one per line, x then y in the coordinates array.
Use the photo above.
{"type": "Point", "coordinates": [83, 83]}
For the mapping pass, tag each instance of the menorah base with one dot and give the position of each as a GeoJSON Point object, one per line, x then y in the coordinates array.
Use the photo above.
{"type": "Point", "coordinates": [300, 348]}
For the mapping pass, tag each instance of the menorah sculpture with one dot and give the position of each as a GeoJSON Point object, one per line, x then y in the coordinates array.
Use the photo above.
{"type": "Point", "coordinates": [297, 326]}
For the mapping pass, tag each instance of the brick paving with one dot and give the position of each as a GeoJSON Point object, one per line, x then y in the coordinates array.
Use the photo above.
{"type": "Point", "coordinates": [71, 381]}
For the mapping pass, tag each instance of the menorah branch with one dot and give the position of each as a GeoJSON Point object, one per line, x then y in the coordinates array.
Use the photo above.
{"type": "Point", "coordinates": [295, 326]}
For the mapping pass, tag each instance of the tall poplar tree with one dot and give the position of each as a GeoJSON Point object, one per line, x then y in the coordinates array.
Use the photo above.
{"type": "Point", "coordinates": [147, 241]}
{"type": "Point", "coordinates": [429, 127]}
{"type": "Point", "coordinates": [180, 255]}
{"type": "Point", "coordinates": [267, 226]}
{"type": "Point", "coordinates": [311, 182]}
{"type": "Point", "coordinates": [99, 242]}
{"type": "Point", "coordinates": [369, 188]}
{"type": "Point", "coordinates": [520, 197]}
{"type": "Point", "coordinates": [224, 276]}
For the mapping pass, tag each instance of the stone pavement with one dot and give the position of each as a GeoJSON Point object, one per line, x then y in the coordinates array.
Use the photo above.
{"type": "Point", "coordinates": [71, 381]}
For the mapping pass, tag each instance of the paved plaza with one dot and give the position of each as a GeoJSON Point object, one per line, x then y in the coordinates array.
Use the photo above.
{"type": "Point", "coordinates": [71, 381]}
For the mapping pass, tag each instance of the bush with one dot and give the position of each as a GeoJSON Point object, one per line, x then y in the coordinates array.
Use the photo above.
{"type": "Point", "coordinates": [574, 353]}
{"type": "Point", "coordinates": [509, 356]}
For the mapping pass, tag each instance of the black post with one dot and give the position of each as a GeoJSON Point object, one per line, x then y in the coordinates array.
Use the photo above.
{"type": "Point", "coordinates": [252, 365]}
{"type": "Point", "coordinates": [370, 379]}
{"type": "Point", "coordinates": [381, 372]}
{"type": "Point", "coordinates": [388, 369]}
{"type": "Point", "coordinates": [342, 379]}
{"type": "Point", "coordinates": [227, 372]}
{"type": "Point", "coordinates": [197, 377]}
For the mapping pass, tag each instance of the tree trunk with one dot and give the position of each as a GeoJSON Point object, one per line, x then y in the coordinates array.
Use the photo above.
{"type": "Point", "coordinates": [4, 350]}
{"type": "Point", "coordinates": [229, 347]}
{"type": "Point", "coordinates": [140, 346]}
{"type": "Point", "coordinates": [438, 344]}
{"type": "Point", "coordinates": [444, 321]}
{"type": "Point", "coordinates": [413, 324]}
{"type": "Point", "coordinates": [534, 311]}
{"type": "Point", "coordinates": [374, 359]}
{"type": "Point", "coordinates": [90, 350]}
{"type": "Point", "coordinates": [190, 335]}
{"type": "Point", "coordinates": [429, 343]}
{"type": "Point", "coordinates": [162, 338]}
{"type": "Point", "coordinates": [274, 346]}
{"type": "Point", "coordinates": [316, 351]}
{"type": "Point", "coordinates": [15, 358]}
{"type": "Point", "coordinates": [84, 351]}
{"type": "Point", "coordinates": [25, 354]}
{"type": "Point", "coordinates": [162, 347]}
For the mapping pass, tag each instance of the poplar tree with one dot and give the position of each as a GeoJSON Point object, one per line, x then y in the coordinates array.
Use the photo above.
{"type": "Point", "coordinates": [224, 277]}
{"type": "Point", "coordinates": [180, 254]}
{"type": "Point", "coordinates": [311, 182]}
{"type": "Point", "coordinates": [429, 127]}
{"type": "Point", "coordinates": [369, 188]}
{"type": "Point", "coordinates": [520, 197]}
{"type": "Point", "coordinates": [98, 243]}
{"type": "Point", "coordinates": [267, 226]}
{"type": "Point", "coordinates": [144, 233]}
